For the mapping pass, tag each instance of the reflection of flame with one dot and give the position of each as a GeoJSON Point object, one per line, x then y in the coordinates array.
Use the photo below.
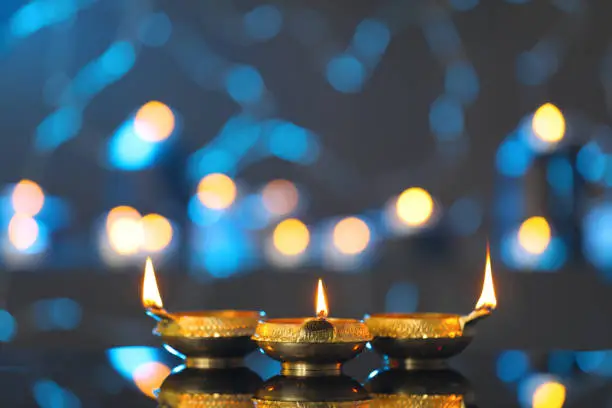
{"type": "Point", "coordinates": [322, 310]}
{"type": "Point", "coordinates": [150, 293]}
{"type": "Point", "coordinates": [487, 298]}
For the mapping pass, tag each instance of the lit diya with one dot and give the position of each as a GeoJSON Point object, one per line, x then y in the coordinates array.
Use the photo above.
{"type": "Point", "coordinates": [425, 340]}
{"type": "Point", "coordinates": [206, 339]}
{"type": "Point", "coordinates": [312, 346]}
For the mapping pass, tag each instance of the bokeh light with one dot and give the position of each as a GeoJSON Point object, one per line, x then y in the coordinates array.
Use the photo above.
{"type": "Point", "coordinates": [124, 230]}
{"type": "Point", "coordinates": [549, 395]}
{"type": "Point", "coordinates": [351, 235]}
{"type": "Point", "coordinates": [22, 231]}
{"type": "Point", "coordinates": [446, 118]}
{"type": "Point", "coordinates": [57, 314]}
{"type": "Point", "coordinates": [8, 326]}
{"type": "Point", "coordinates": [291, 237]}
{"type": "Point", "coordinates": [27, 198]}
{"type": "Point", "coordinates": [512, 365]}
{"type": "Point", "coordinates": [217, 191]}
{"type": "Point", "coordinates": [154, 122]}
{"type": "Point", "coordinates": [148, 377]}
{"type": "Point", "coordinates": [414, 206]}
{"type": "Point", "coordinates": [548, 123]}
{"type": "Point", "coordinates": [244, 84]}
{"type": "Point", "coordinates": [263, 22]}
{"type": "Point", "coordinates": [155, 29]}
{"type": "Point", "coordinates": [346, 74]}
{"type": "Point", "coordinates": [402, 297]}
{"type": "Point", "coordinates": [371, 38]}
{"type": "Point", "coordinates": [157, 231]}
{"type": "Point", "coordinates": [534, 235]}
{"type": "Point", "coordinates": [597, 231]}
{"type": "Point", "coordinates": [280, 197]}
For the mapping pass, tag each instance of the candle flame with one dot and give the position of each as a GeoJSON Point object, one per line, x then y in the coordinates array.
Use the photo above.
{"type": "Point", "coordinates": [487, 298]}
{"type": "Point", "coordinates": [322, 310]}
{"type": "Point", "coordinates": [150, 292]}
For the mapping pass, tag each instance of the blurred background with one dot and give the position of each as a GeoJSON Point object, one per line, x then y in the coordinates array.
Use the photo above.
{"type": "Point", "coordinates": [251, 147]}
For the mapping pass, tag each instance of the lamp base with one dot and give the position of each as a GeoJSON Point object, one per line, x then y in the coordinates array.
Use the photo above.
{"type": "Point", "coordinates": [418, 364]}
{"type": "Point", "coordinates": [302, 369]}
{"type": "Point", "coordinates": [205, 363]}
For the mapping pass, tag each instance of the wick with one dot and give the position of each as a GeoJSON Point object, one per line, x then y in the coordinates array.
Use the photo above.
{"type": "Point", "coordinates": [321, 315]}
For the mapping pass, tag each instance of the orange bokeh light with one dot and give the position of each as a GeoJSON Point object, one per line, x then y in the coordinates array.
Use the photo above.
{"type": "Point", "coordinates": [22, 231]}
{"type": "Point", "coordinates": [217, 191]}
{"type": "Point", "coordinates": [27, 198]}
{"type": "Point", "coordinates": [148, 377]}
{"type": "Point", "coordinates": [351, 235]}
{"type": "Point", "coordinates": [154, 122]}
{"type": "Point", "coordinates": [291, 237]}
{"type": "Point", "coordinates": [414, 206]}
{"type": "Point", "coordinates": [157, 232]}
{"type": "Point", "coordinates": [280, 197]}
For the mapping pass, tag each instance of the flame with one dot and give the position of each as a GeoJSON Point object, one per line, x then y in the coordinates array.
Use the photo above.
{"type": "Point", "coordinates": [322, 310]}
{"type": "Point", "coordinates": [150, 292]}
{"type": "Point", "coordinates": [487, 298]}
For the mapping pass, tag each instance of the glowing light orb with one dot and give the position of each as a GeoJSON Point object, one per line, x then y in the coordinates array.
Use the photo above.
{"type": "Point", "coordinates": [351, 235]}
{"type": "Point", "coordinates": [415, 206]}
{"type": "Point", "coordinates": [148, 377]}
{"type": "Point", "coordinates": [157, 232]}
{"type": "Point", "coordinates": [280, 197]}
{"type": "Point", "coordinates": [154, 122]}
{"type": "Point", "coordinates": [27, 198]}
{"type": "Point", "coordinates": [217, 191]}
{"type": "Point", "coordinates": [534, 235]}
{"type": "Point", "coordinates": [549, 395]}
{"type": "Point", "coordinates": [122, 211]}
{"type": "Point", "coordinates": [291, 237]}
{"type": "Point", "coordinates": [124, 230]}
{"type": "Point", "coordinates": [548, 123]}
{"type": "Point", "coordinates": [22, 231]}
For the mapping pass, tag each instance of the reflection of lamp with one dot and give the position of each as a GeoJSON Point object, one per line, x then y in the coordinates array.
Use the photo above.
{"type": "Point", "coordinates": [312, 346]}
{"type": "Point", "coordinates": [420, 340]}
{"type": "Point", "coordinates": [206, 338]}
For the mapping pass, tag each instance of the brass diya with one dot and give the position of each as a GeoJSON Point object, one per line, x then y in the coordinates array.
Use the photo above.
{"type": "Point", "coordinates": [205, 339]}
{"type": "Point", "coordinates": [312, 346]}
{"type": "Point", "coordinates": [212, 388]}
{"type": "Point", "coordinates": [337, 391]}
{"type": "Point", "coordinates": [426, 340]}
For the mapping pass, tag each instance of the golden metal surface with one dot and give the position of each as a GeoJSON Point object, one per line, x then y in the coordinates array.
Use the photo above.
{"type": "Point", "coordinates": [197, 400]}
{"type": "Point", "coordinates": [417, 401]}
{"type": "Point", "coordinates": [205, 363]}
{"type": "Point", "coordinates": [303, 330]}
{"type": "Point", "coordinates": [299, 404]}
{"type": "Point", "coordinates": [209, 324]}
{"type": "Point", "coordinates": [415, 325]}
{"type": "Point", "coordinates": [301, 369]}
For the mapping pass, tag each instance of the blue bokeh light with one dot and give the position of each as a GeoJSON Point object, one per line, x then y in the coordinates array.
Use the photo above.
{"type": "Point", "coordinates": [57, 128]}
{"type": "Point", "coordinates": [251, 214]}
{"type": "Point", "coordinates": [289, 142]}
{"type": "Point", "coordinates": [597, 231]}
{"type": "Point", "coordinates": [244, 84]}
{"type": "Point", "coordinates": [262, 365]}
{"type": "Point", "coordinates": [560, 175]}
{"type": "Point", "coordinates": [442, 37]}
{"type": "Point", "coordinates": [345, 73]}
{"type": "Point", "coordinates": [48, 394]}
{"type": "Point", "coordinates": [591, 162]}
{"type": "Point", "coordinates": [226, 249]}
{"type": "Point", "coordinates": [118, 59]}
{"type": "Point", "coordinates": [531, 68]}
{"type": "Point", "coordinates": [263, 22]}
{"type": "Point", "coordinates": [528, 386]}
{"type": "Point", "coordinates": [155, 29]}
{"type": "Point", "coordinates": [461, 81]}
{"type": "Point", "coordinates": [8, 326]}
{"type": "Point", "coordinates": [211, 160]}
{"type": "Point", "coordinates": [513, 158]}
{"type": "Point", "coordinates": [127, 359]}
{"type": "Point", "coordinates": [202, 215]}
{"type": "Point", "coordinates": [28, 19]}
{"type": "Point", "coordinates": [561, 362]}
{"type": "Point", "coordinates": [371, 38]}
{"type": "Point", "coordinates": [465, 216]}
{"type": "Point", "coordinates": [512, 365]}
{"type": "Point", "coordinates": [128, 151]}
{"type": "Point", "coordinates": [446, 118]}
{"type": "Point", "coordinates": [402, 297]}
{"type": "Point", "coordinates": [57, 314]}
{"type": "Point", "coordinates": [595, 362]}
{"type": "Point", "coordinates": [463, 5]}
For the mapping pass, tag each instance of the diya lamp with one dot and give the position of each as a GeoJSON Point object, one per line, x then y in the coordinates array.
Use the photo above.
{"type": "Point", "coordinates": [426, 340]}
{"type": "Point", "coordinates": [312, 346]}
{"type": "Point", "coordinates": [206, 339]}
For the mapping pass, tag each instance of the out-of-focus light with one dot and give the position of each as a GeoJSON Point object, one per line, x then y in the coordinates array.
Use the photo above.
{"type": "Point", "coordinates": [597, 230]}
{"type": "Point", "coordinates": [27, 198]}
{"type": "Point", "coordinates": [461, 80]}
{"type": "Point", "coordinates": [590, 361]}
{"type": "Point", "coordinates": [125, 360]}
{"type": "Point", "coordinates": [225, 249]}
{"type": "Point", "coordinates": [280, 197]}
{"type": "Point", "coordinates": [122, 211]}
{"type": "Point", "coordinates": [58, 127]}
{"type": "Point", "coordinates": [371, 38]}
{"type": "Point", "coordinates": [127, 150]}
{"type": "Point", "coordinates": [345, 73]}
{"type": "Point", "coordinates": [49, 394]}
{"type": "Point", "coordinates": [591, 162]}
{"type": "Point", "coordinates": [548, 123]}
{"type": "Point", "coordinates": [217, 191]}
{"type": "Point", "coordinates": [157, 232]}
{"type": "Point", "coordinates": [446, 118]}
{"type": "Point", "coordinates": [57, 314]}
{"type": "Point", "coordinates": [465, 216]}
{"type": "Point", "coordinates": [148, 377]}
{"type": "Point", "coordinates": [442, 37]}
{"type": "Point", "coordinates": [463, 5]}
{"type": "Point", "coordinates": [244, 84]}
{"type": "Point", "coordinates": [402, 297]}
{"type": "Point", "coordinates": [560, 175]}
{"type": "Point", "coordinates": [513, 158]}
{"type": "Point", "coordinates": [532, 68]}
{"type": "Point", "coordinates": [293, 143]}
{"type": "Point", "coordinates": [154, 122]}
{"type": "Point", "coordinates": [155, 29]}
{"type": "Point", "coordinates": [118, 59]}
{"type": "Point", "coordinates": [200, 214]}
{"type": "Point", "coordinates": [291, 237]}
{"type": "Point", "coordinates": [8, 326]}
{"type": "Point", "coordinates": [124, 230]}
{"type": "Point", "coordinates": [414, 206]}
{"type": "Point", "coordinates": [534, 235]}
{"type": "Point", "coordinates": [251, 213]}
{"type": "Point", "coordinates": [512, 365]}
{"type": "Point", "coordinates": [351, 235]}
{"type": "Point", "coordinates": [263, 22]}
{"type": "Point", "coordinates": [549, 395]}
{"type": "Point", "coordinates": [22, 231]}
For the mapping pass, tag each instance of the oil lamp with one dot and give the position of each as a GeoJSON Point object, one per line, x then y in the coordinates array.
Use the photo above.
{"type": "Point", "coordinates": [312, 346]}
{"type": "Point", "coordinates": [426, 340]}
{"type": "Point", "coordinates": [206, 339]}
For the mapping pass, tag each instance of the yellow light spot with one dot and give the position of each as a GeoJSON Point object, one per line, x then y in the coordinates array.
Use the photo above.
{"type": "Point", "coordinates": [548, 123]}
{"type": "Point", "coordinates": [150, 290]}
{"type": "Point", "coordinates": [549, 395]}
{"type": "Point", "coordinates": [125, 236]}
{"type": "Point", "coordinates": [148, 377]}
{"type": "Point", "coordinates": [154, 122]}
{"type": "Point", "coordinates": [217, 191]}
{"type": "Point", "coordinates": [280, 197]}
{"type": "Point", "coordinates": [122, 211]}
{"type": "Point", "coordinates": [534, 235]}
{"type": "Point", "coordinates": [157, 232]}
{"type": "Point", "coordinates": [322, 308]}
{"type": "Point", "coordinates": [291, 237]}
{"type": "Point", "coordinates": [351, 235]}
{"type": "Point", "coordinates": [27, 198]}
{"type": "Point", "coordinates": [22, 231]}
{"type": "Point", "coordinates": [415, 206]}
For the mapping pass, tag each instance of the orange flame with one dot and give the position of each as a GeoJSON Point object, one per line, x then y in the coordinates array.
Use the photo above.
{"type": "Point", "coordinates": [322, 310]}
{"type": "Point", "coordinates": [150, 292]}
{"type": "Point", "coordinates": [487, 298]}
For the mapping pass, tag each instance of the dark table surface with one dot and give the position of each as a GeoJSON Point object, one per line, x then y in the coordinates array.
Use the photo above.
{"type": "Point", "coordinates": [112, 377]}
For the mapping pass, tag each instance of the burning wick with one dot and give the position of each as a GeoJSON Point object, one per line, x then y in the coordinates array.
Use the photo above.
{"type": "Point", "coordinates": [151, 299]}
{"type": "Point", "coordinates": [322, 310]}
{"type": "Point", "coordinates": [487, 299]}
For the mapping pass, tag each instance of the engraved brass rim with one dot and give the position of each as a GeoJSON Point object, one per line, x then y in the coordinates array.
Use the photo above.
{"type": "Point", "coordinates": [293, 331]}
{"type": "Point", "coordinates": [415, 325]}
{"type": "Point", "coordinates": [210, 324]}
{"type": "Point", "coordinates": [198, 400]}
{"type": "Point", "coordinates": [259, 403]}
{"type": "Point", "coordinates": [418, 401]}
